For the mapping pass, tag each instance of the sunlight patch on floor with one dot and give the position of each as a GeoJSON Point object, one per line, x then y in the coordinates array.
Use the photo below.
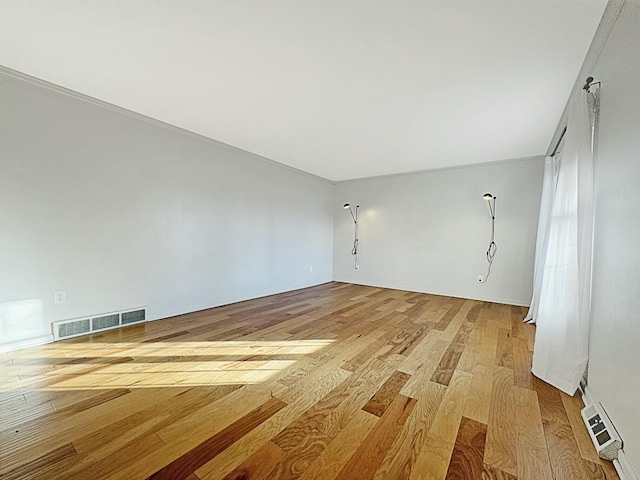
{"type": "Point", "coordinates": [169, 348]}
{"type": "Point", "coordinates": [98, 366]}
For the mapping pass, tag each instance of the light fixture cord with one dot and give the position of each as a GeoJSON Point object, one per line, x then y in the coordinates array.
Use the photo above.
{"type": "Point", "coordinates": [354, 250]}
{"type": "Point", "coordinates": [493, 248]}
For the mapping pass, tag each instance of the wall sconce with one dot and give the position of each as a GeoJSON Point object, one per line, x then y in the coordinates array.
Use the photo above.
{"type": "Point", "coordinates": [493, 248]}
{"type": "Point", "coordinates": [354, 250]}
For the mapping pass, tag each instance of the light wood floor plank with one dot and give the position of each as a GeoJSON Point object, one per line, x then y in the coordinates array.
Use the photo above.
{"type": "Point", "coordinates": [433, 460]}
{"type": "Point", "coordinates": [337, 454]}
{"type": "Point", "coordinates": [468, 451]}
{"type": "Point", "coordinates": [257, 466]}
{"type": "Point", "coordinates": [402, 456]}
{"type": "Point", "coordinates": [531, 446]}
{"type": "Point", "coordinates": [573, 406]}
{"type": "Point", "coordinates": [500, 450]}
{"type": "Point", "coordinates": [371, 452]}
{"type": "Point", "coordinates": [480, 391]}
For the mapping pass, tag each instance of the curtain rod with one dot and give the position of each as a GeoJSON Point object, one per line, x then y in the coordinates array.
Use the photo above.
{"type": "Point", "coordinates": [587, 85]}
{"type": "Point", "coordinates": [555, 150]}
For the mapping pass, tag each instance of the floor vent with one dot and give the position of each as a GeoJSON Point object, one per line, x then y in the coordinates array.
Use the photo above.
{"type": "Point", "coordinates": [99, 323]}
{"type": "Point", "coordinates": [604, 435]}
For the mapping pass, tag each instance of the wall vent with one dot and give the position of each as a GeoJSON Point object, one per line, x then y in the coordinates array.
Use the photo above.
{"type": "Point", "coordinates": [108, 321]}
{"type": "Point", "coordinates": [98, 323]}
{"type": "Point", "coordinates": [74, 328]}
{"type": "Point", "coordinates": [134, 316]}
{"type": "Point", "coordinates": [602, 433]}
{"type": "Point", "coordinates": [604, 436]}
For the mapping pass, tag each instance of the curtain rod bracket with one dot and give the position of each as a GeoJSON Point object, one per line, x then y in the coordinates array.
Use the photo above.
{"type": "Point", "coordinates": [587, 85]}
{"type": "Point", "coordinates": [590, 83]}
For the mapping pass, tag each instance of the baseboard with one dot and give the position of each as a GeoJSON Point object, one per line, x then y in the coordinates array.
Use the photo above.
{"type": "Point", "coordinates": [624, 468]}
{"type": "Point", "coordinates": [179, 312]}
{"type": "Point", "coordinates": [504, 301]}
{"type": "Point", "coordinates": [27, 343]}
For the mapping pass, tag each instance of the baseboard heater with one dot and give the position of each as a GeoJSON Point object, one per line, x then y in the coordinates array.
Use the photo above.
{"type": "Point", "coordinates": [97, 323]}
{"type": "Point", "coordinates": [604, 436]}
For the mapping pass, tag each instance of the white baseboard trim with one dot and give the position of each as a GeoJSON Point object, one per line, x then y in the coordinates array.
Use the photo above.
{"type": "Point", "coordinates": [407, 288]}
{"type": "Point", "coordinates": [624, 468]}
{"type": "Point", "coordinates": [29, 342]}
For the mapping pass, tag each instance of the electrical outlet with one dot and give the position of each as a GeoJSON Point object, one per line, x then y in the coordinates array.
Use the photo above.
{"type": "Point", "coordinates": [310, 268]}
{"type": "Point", "coordinates": [357, 267]}
{"type": "Point", "coordinates": [59, 296]}
{"type": "Point", "coordinates": [481, 279]}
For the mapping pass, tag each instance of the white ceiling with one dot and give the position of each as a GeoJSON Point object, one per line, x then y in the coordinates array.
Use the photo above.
{"type": "Point", "coordinates": [338, 88]}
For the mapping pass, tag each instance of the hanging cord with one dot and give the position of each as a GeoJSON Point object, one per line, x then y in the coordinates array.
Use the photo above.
{"type": "Point", "coordinates": [493, 248]}
{"type": "Point", "coordinates": [354, 250]}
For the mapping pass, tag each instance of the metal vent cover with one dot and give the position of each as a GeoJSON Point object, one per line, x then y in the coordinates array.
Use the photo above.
{"type": "Point", "coordinates": [97, 323]}
{"type": "Point", "coordinates": [134, 316]}
{"type": "Point", "coordinates": [74, 328]}
{"type": "Point", "coordinates": [100, 323]}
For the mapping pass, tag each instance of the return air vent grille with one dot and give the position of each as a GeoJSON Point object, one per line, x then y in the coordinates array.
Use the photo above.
{"type": "Point", "coordinates": [108, 321]}
{"type": "Point", "coordinates": [77, 327]}
{"type": "Point", "coordinates": [133, 317]}
{"type": "Point", "coordinates": [99, 323]}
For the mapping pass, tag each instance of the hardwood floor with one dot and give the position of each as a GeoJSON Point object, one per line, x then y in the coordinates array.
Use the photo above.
{"type": "Point", "coordinates": [336, 381]}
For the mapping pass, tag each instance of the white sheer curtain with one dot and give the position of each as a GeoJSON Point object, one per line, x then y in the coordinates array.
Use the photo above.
{"type": "Point", "coordinates": [563, 274]}
{"type": "Point", "coordinates": [549, 182]}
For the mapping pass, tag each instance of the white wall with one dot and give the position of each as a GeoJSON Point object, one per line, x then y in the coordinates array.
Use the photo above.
{"type": "Point", "coordinates": [615, 323]}
{"type": "Point", "coordinates": [429, 231]}
{"type": "Point", "coordinates": [121, 212]}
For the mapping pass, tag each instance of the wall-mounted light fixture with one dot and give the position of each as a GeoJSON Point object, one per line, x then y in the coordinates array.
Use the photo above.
{"type": "Point", "coordinates": [493, 248]}
{"type": "Point", "coordinates": [354, 250]}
